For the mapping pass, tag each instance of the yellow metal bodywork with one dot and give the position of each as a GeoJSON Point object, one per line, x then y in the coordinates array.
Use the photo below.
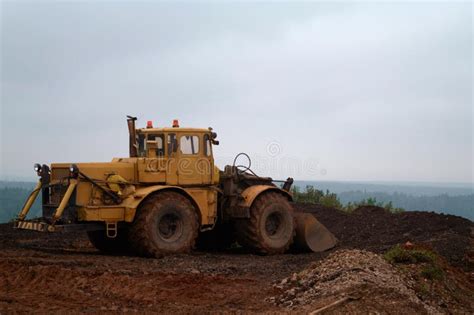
{"type": "Point", "coordinates": [65, 200]}
{"type": "Point", "coordinates": [87, 194]}
{"type": "Point", "coordinates": [133, 179]}
{"type": "Point", "coordinates": [29, 202]}
{"type": "Point", "coordinates": [112, 192]}
{"type": "Point", "coordinates": [252, 192]}
{"type": "Point", "coordinates": [204, 200]}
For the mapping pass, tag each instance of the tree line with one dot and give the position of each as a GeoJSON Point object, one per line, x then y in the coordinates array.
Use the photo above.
{"type": "Point", "coordinates": [12, 200]}
{"type": "Point", "coordinates": [462, 205]}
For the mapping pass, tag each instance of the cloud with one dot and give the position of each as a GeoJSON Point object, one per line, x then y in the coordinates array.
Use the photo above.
{"type": "Point", "coordinates": [370, 91]}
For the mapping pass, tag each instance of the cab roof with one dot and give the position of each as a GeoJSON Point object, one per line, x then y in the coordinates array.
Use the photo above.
{"type": "Point", "coordinates": [173, 129]}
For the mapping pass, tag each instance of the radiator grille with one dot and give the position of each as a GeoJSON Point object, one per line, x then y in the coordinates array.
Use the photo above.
{"type": "Point", "coordinates": [59, 173]}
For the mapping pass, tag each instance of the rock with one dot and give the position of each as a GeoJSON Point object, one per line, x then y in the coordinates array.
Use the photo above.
{"type": "Point", "coordinates": [339, 274]}
{"type": "Point", "coordinates": [294, 277]}
{"type": "Point", "coordinates": [408, 245]}
{"type": "Point", "coordinates": [291, 292]}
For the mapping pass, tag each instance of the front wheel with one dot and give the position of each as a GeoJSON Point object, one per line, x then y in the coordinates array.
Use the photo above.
{"type": "Point", "coordinates": [165, 223]}
{"type": "Point", "coordinates": [271, 227]}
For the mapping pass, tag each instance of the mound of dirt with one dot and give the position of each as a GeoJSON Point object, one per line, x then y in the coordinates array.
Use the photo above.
{"type": "Point", "coordinates": [377, 230]}
{"type": "Point", "coordinates": [350, 277]}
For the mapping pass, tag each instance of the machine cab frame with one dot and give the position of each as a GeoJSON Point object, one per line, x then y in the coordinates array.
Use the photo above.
{"type": "Point", "coordinates": [175, 156]}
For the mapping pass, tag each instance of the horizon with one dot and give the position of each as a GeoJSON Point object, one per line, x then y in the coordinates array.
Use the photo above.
{"type": "Point", "coordinates": [466, 185]}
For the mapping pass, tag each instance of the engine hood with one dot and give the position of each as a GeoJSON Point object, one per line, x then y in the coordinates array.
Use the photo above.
{"type": "Point", "coordinates": [97, 170]}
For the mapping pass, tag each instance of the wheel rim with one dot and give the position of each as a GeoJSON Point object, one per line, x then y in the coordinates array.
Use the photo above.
{"type": "Point", "coordinates": [273, 224]}
{"type": "Point", "coordinates": [170, 227]}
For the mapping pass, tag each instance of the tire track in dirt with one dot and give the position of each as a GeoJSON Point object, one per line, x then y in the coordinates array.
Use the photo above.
{"type": "Point", "coordinates": [44, 287]}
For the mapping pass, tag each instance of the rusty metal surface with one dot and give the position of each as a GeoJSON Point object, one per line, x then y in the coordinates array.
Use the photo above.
{"type": "Point", "coordinates": [311, 235]}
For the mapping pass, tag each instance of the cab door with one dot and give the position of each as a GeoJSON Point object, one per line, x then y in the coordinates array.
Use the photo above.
{"type": "Point", "coordinates": [152, 164]}
{"type": "Point", "coordinates": [206, 162]}
{"type": "Point", "coordinates": [190, 152]}
{"type": "Point", "coordinates": [172, 161]}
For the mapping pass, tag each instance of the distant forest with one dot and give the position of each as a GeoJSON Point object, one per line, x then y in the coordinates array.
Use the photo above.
{"type": "Point", "coordinates": [14, 194]}
{"type": "Point", "coordinates": [12, 200]}
{"type": "Point", "coordinates": [462, 205]}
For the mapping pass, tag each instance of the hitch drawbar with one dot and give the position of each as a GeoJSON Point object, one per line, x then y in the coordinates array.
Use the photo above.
{"type": "Point", "coordinates": [45, 227]}
{"type": "Point", "coordinates": [34, 226]}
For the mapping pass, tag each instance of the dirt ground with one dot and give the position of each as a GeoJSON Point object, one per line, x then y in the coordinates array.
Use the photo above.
{"type": "Point", "coordinates": [377, 230]}
{"type": "Point", "coordinates": [63, 272]}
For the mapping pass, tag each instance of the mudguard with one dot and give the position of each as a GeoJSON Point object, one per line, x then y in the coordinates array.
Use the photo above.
{"type": "Point", "coordinates": [251, 193]}
{"type": "Point", "coordinates": [133, 201]}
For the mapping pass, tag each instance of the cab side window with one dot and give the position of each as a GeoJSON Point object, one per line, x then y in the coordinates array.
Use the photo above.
{"type": "Point", "coordinates": [189, 145]}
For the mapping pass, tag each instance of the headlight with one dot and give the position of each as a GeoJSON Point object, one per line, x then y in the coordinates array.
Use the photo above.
{"type": "Point", "coordinates": [74, 171]}
{"type": "Point", "coordinates": [37, 168]}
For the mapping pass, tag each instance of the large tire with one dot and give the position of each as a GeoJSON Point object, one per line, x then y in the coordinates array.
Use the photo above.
{"type": "Point", "coordinates": [117, 245]}
{"type": "Point", "coordinates": [165, 223]}
{"type": "Point", "coordinates": [271, 227]}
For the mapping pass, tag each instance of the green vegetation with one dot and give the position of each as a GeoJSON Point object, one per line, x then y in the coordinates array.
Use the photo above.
{"type": "Point", "coordinates": [461, 205]}
{"type": "Point", "coordinates": [430, 268]}
{"type": "Point", "coordinates": [328, 199]}
{"type": "Point", "coordinates": [398, 254]}
{"type": "Point", "coordinates": [432, 272]}
{"type": "Point", "coordinates": [312, 195]}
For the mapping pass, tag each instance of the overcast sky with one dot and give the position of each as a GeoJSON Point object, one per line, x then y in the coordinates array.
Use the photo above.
{"type": "Point", "coordinates": [364, 91]}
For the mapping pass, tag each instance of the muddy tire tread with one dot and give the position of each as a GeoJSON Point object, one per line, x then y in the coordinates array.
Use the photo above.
{"type": "Point", "coordinates": [139, 235]}
{"type": "Point", "coordinates": [248, 235]}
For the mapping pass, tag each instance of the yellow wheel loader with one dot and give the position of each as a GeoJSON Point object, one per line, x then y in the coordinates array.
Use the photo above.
{"type": "Point", "coordinates": [166, 195]}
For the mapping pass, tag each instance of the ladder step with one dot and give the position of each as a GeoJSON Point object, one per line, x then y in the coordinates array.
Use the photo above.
{"type": "Point", "coordinates": [111, 228]}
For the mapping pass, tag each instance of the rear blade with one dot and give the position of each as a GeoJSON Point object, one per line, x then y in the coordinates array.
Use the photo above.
{"type": "Point", "coordinates": [311, 235]}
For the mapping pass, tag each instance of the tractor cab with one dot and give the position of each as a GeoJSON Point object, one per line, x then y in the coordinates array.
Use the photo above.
{"type": "Point", "coordinates": [173, 155]}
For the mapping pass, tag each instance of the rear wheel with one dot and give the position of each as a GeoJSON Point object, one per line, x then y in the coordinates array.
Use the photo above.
{"type": "Point", "coordinates": [271, 227]}
{"type": "Point", "coordinates": [117, 245]}
{"type": "Point", "coordinates": [165, 223]}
